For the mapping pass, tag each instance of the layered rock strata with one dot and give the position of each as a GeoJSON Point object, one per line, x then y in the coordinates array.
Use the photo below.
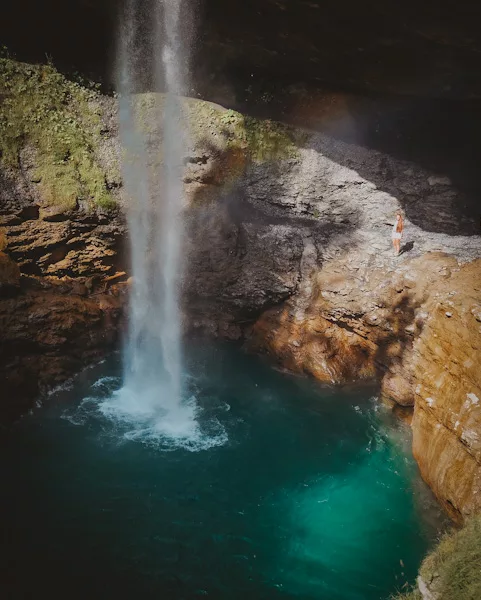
{"type": "Point", "coordinates": [61, 296]}
{"type": "Point", "coordinates": [61, 300]}
{"type": "Point", "coordinates": [51, 330]}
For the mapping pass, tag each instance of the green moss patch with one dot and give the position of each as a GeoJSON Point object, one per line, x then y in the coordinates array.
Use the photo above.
{"type": "Point", "coordinates": [452, 571]}
{"type": "Point", "coordinates": [259, 140]}
{"type": "Point", "coordinates": [262, 140]}
{"type": "Point", "coordinates": [60, 121]}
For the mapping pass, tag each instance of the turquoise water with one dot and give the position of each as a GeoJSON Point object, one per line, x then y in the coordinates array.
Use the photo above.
{"type": "Point", "coordinates": [287, 490]}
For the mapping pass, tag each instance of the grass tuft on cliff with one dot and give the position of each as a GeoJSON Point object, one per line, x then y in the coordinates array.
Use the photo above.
{"type": "Point", "coordinates": [452, 571]}
{"type": "Point", "coordinates": [41, 111]}
{"type": "Point", "coordinates": [454, 568]}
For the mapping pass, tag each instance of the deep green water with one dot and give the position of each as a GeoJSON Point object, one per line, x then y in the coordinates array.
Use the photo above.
{"type": "Point", "coordinates": [289, 490]}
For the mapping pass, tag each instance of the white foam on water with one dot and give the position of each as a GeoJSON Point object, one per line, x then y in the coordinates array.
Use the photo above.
{"type": "Point", "coordinates": [108, 382]}
{"type": "Point", "coordinates": [61, 387]}
{"type": "Point", "coordinates": [149, 422]}
{"type": "Point", "coordinates": [152, 420]}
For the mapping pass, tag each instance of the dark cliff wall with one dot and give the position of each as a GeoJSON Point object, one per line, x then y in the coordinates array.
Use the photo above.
{"type": "Point", "coordinates": [428, 49]}
{"type": "Point", "coordinates": [401, 78]}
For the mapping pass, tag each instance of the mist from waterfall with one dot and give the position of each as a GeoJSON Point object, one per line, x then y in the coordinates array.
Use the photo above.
{"type": "Point", "coordinates": [154, 46]}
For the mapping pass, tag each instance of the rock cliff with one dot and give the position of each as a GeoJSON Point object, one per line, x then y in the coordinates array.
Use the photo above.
{"type": "Point", "coordinates": [414, 328]}
{"type": "Point", "coordinates": [60, 298]}
{"type": "Point", "coordinates": [447, 413]}
{"type": "Point", "coordinates": [61, 231]}
{"type": "Point", "coordinates": [293, 253]}
{"type": "Point", "coordinates": [287, 247]}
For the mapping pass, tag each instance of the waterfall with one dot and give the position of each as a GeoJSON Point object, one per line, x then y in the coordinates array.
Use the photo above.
{"type": "Point", "coordinates": [154, 49]}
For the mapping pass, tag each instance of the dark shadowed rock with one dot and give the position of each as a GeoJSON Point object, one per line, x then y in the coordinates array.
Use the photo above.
{"type": "Point", "coordinates": [9, 275]}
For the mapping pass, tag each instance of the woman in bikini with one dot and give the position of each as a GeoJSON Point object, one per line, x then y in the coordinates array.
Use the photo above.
{"type": "Point", "coordinates": [397, 232]}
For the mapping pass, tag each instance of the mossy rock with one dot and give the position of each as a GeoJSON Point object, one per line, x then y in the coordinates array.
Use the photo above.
{"type": "Point", "coordinates": [59, 125]}
{"type": "Point", "coordinates": [229, 141]}
{"type": "Point", "coordinates": [59, 121]}
{"type": "Point", "coordinates": [259, 140]}
{"type": "Point", "coordinates": [222, 129]}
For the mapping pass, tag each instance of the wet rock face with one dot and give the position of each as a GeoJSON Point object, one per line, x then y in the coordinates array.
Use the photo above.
{"type": "Point", "coordinates": [416, 329]}
{"type": "Point", "coordinates": [447, 414]}
{"type": "Point", "coordinates": [50, 330]}
{"type": "Point", "coordinates": [237, 270]}
{"type": "Point", "coordinates": [60, 303]}
{"type": "Point", "coordinates": [78, 245]}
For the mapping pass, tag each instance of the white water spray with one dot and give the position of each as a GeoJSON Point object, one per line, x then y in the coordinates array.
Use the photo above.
{"type": "Point", "coordinates": [153, 397]}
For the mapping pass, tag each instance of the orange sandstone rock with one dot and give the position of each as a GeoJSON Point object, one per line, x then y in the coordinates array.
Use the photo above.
{"type": "Point", "coordinates": [418, 331]}
{"type": "Point", "coordinates": [447, 415]}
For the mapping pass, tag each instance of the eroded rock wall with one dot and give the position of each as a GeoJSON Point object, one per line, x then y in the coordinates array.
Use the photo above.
{"type": "Point", "coordinates": [49, 332]}
{"type": "Point", "coordinates": [260, 228]}
{"type": "Point", "coordinates": [61, 304]}
{"type": "Point", "coordinates": [61, 300]}
{"type": "Point", "coordinates": [304, 242]}
{"type": "Point", "coordinates": [447, 413]}
{"type": "Point", "coordinates": [287, 245]}
{"type": "Point", "coordinates": [417, 330]}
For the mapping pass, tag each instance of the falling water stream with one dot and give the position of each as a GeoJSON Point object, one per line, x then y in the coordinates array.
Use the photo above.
{"type": "Point", "coordinates": [153, 397]}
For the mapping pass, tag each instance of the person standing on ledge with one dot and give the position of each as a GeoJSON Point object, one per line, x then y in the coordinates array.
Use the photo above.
{"type": "Point", "coordinates": [397, 233]}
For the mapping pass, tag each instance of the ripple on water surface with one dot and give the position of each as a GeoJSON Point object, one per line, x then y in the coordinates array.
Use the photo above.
{"type": "Point", "coordinates": [270, 487]}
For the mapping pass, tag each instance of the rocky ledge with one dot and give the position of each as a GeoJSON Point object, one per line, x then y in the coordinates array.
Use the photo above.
{"type": "Point", "coordinates": [54, 321]}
